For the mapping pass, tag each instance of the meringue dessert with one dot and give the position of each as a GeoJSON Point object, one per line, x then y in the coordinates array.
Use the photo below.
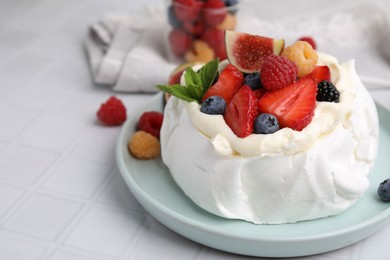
{"type": "Point", "coordinates": [313, 169]}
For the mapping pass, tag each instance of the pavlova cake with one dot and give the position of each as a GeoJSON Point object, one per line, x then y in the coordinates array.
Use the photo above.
{"type": "Point", "coordinates": [272, 135]}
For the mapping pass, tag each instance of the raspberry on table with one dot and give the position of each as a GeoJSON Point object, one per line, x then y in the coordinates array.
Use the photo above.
{"type": "Point", "coordinates": [144, 146]}
{"type": "Point", "coordinates": [112, 112]}
{"type": "Point", "coordinates": [277, 72]}
{"type": "Point", "coordinates": [303, 55]}
{"type": "Point", "coordinates": [151, 122]}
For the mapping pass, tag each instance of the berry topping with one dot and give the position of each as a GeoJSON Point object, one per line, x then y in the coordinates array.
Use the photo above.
{"type": "Point", "coordinates": [259, 92]}
{"type": "Point", "coordinates": [112, 112]}
{"type": "Point", "coordinates": [384, 190]}
{"type": "Point", "coordinates": [266, 124]}
{"type": "Point", "coordinates": [320, 73]}
{"type": "Point", "coordinates": [277, 72]}
{"type": "Point", "coordinates": [180, 41]}
{"type": "Point", "coordinates": [253, 80]}
{"type": "Point", "coordinates": [229, 82]}
{"type": "Point", "coordinates": [327, 92]}
{"type": "Point", "coordinates": [241, 112]}
{"type": "Point", "coordinates": [309, 40]}
{"type": "Point", "coordinates": [214, 105]}
{"type": "Point", "coordinates": [143, 145]}
{"type": "Point", "coordinates": [303, 55]}
{"type": "Point", "coordinates": [292, 105]}
{"type": "Point", "coordinates": [151, 122]}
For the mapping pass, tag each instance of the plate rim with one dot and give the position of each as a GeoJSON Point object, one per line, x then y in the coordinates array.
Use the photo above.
{"type": "Point", "coordinates": [380, 219]}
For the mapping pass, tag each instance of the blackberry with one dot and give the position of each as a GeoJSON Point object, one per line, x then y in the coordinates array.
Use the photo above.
{"type": "Point", "coordinates": [327, 92]}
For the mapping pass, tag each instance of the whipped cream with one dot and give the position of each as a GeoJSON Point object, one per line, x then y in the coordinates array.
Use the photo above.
{"type": "Point", "coordinates": [284, 177]}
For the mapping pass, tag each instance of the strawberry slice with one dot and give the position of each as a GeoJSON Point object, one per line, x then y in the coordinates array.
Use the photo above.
{"type": "Point", "coordinates": [320, 73]}
{"type": "Point", "coordinates": [241, 112]}
{"type": "Point", "coordinates": [229, 82]}
{"type": "Point", "coordinates": [292, 105]}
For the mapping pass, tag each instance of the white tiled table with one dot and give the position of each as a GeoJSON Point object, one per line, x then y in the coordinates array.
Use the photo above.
{"type": "Point", "coordinates": [61, 195]}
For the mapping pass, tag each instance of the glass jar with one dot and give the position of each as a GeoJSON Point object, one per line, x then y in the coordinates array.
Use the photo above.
{"type": "Point", "coordinates": [196, 31]}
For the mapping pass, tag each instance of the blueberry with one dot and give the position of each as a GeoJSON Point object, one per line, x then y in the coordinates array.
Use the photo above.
{"type": "Point", "coordinates": [266, 124]}
{"type": "Point", "coordinates": [173, 21]}
{"type": "Point", "coordinates": [253, 80]}
{"type": "Point", "coordinates": [214, 105]}
{"type": "Point", "coordinates": [384, 190]}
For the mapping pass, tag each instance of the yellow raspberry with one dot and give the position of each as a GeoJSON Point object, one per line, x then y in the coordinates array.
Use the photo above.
{"type": "Point", "coordinates": [144, 146]}
{"type": "Point", "coordinates": [303, 55]}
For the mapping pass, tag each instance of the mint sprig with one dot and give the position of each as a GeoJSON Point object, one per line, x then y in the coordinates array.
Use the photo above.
{"type": "Point", "coordinates": [197, 83]}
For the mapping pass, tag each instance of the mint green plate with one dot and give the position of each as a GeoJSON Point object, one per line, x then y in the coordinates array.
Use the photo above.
{"type": "Point", "coordinates": [152, 185]}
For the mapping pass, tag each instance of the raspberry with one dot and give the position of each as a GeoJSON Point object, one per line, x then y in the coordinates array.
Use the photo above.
{"type": "Point", "coordinates": [303, 55]}
{"type": "Point", "coordinates": [112, 112]}
{"type": "Point", "coordinates": [144, 146]}
{"type": "Point", "coordinates": [151, 122]}
{"type": "Point", "coordinates": [310, 40]}
{"type": "Point", "coordinates": [277, 72]}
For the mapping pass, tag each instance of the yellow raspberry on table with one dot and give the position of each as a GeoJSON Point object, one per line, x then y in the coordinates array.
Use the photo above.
{"type": "Point", "coordinates": [303, 55]}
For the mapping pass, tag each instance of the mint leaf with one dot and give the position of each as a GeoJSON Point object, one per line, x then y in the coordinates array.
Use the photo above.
{"type": "Point", "coordinates": [207, 74]}
{"type": "Point", "coordinates": [194, 83]}
{"type": "Point", "coordinates": [178, 91]}
{"type": "Point", "coordinates": [197, 83]}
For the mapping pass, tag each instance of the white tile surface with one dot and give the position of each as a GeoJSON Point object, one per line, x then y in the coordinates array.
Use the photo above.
{"type": "Point", "coordinates": [52, 131]}
{"type": "Point", "coordinates": [9, 195]}
{"type": "Point", "coordinates": [61, 195]}
{"type": "Point", "coordinates": [25, 164]}
{"type": "Point", "coordinates": [44, 216]}
{"type": "Point", "coordinates": [15, 248]}
{"type": "Point", "coordinates": [84, 176]}
{"type": "Point", "coordinates": [102, 231]}
{"type": "Point", "coordinates": [14, 120]}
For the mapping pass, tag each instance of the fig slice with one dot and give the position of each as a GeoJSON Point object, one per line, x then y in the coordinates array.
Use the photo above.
{"type": "Point", "coordinates": [247, 51]}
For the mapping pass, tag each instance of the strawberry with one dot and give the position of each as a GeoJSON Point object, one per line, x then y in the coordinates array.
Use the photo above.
{"type": "Point", "coordinates": [241, 112]}
{"type": "Point", "coordinates": [187, 10]}
{"type": "Point", "coordinates": [292, 105]}
{"type": "Point", "coordinates": [229, 82]}
{"type": "Point", "coordinates": [180, 41]}
{"type": "Point", "coordinates": [320, 73]}
{"type": "Point", "coordinates": [214, 12]}
{"type": "Point", "coordinates": [194, 28]}
{"type": "Point", "coordinates": [259, 92]}
{"type": "Point", "coordinates": [213, 36]}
